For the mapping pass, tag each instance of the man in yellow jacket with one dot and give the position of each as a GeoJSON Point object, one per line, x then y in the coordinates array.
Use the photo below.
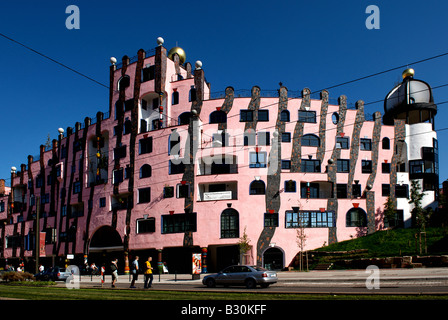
{"type": "Point", "coordinates": [148, 274]}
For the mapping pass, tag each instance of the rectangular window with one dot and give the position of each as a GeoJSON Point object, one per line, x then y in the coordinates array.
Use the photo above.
{"type": "Point", "coordinates": [342, 143]}
{"type": "Point", "coordinates": [264, 138]}
{"type": "Point", "coordinates": [356, 190]}
{"type": "Point", "coordinates": [263, 115]}
{"type": "Point", "coordinates": [76, 187]}
{"type": "Point", "coordinates": [307, 116]}
{"type": "Point", "coordinates": [176, 168]}
{"type": "Point", "coordinates": [309, 219]}
{"type": "Point", "coordinates": [257, 160]}
{"type": "Point", "coordinates": [246, 115]}
{"type": "Point", "coordinates": [220, 139]}
{"type": "Point", "coordinates": [385, 190]}
{"type": "Point", "coordinates": [290, 186]}
{"type": "Point", "coordinates": [271, 219]}
{"type": "Point", "coordinates": [183, 190]}
{"type": "Point", "coordinates": [146, 225]}
{"type": "Point", "coordinates": [118, 176]}
{"type": "Point", "coordinates": [286, 137]}
{"type": "Point", "coordinates": [145, 145]}
{"type": "Point", "coordinates": [365, 144]}
{"type": "Point", "coordinates": [102, 202]}
{"type": "Point", "coordinates": [168, 192]}
{"type": "Point", "coordinates": [309, 190]}
{"type": "Point", "coordinates": [249, 138]}
{"type": "Point", "coordinates": [310, 165]}
{"type": "Point", "coordinates": [343, 165]}
{"type": "Point", "coordinates": [385, 167]}
{"type": "Point", "coordinates": [366, 166]}
{"type": "Point", "coordinates": [286, 164]}
{"type": "Point", "coordinates": [341, 191]}
{"type": "Point", "coordinates": [144, 195]}
{"type": "Point", "coordinates": [179, 223]}
{"type": "Point", "coordinates": [148, 73]}
{"type": "Point", "coordinates": [402, 191]}
{"type": "Point", "coordinates": [120, 152]}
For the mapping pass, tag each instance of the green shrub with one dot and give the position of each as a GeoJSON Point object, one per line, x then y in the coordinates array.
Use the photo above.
{"type": "Point", "coordinates": [12, 276]}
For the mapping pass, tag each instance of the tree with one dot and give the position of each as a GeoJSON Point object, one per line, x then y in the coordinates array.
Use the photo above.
{"type": "Point", "coordinates": [244, 245]}
{"type": "Point", "coordinates": [301, 241]}
{"type": "Point", "coordinates": [389, 211]}
{"type": "Point", "coordinates": [419, 215]}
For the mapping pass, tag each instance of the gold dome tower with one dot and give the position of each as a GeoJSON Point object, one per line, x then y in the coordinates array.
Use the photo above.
{"type": "Point", "coordinates": [180, 52]}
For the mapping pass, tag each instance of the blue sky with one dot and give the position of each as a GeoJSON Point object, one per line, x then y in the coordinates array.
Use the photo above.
{"type": "Point", "coordinates": [314, 44]}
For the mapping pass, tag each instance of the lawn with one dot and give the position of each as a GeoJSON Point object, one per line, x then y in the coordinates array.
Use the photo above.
{"type": "Point", "coordinates": [60, 293]}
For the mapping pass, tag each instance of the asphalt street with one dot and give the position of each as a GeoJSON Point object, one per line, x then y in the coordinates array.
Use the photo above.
{"type": "Point", "coordinates": [432, 281]}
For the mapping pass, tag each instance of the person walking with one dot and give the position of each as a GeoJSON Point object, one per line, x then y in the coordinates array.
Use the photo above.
{"type": "Point", "coordinates": [134, 270]}
{"type": "Point", "coordinates": [148, 274]}
{"type": "Point", "coordinates": [114, 269]}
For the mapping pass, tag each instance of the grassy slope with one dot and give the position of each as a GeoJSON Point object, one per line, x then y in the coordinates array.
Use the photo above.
{"type": "Point", "coordinates": [394, 243]}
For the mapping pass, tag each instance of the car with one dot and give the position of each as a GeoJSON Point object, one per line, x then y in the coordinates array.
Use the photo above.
{"type": "Point", "coordinates": [249, 276]}
{"type": "Point", "coordinates": [53, 274]}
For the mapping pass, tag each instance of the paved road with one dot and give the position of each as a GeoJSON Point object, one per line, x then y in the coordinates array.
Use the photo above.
{"type": "Point", "coordinates": [389, 281]}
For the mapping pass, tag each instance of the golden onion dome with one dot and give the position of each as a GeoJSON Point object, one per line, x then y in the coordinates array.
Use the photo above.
{"type": "Point", "coordinates": [180, 52]}
{"type": "Point", "coordinates": [408, 73]}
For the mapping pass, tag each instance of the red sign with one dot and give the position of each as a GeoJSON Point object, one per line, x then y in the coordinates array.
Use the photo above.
{"type": "Point", "coordinates": [42, 244]}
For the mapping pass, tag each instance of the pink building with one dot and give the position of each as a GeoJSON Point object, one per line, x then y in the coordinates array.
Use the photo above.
{"type": "Point", "coordinates": [174, 169]}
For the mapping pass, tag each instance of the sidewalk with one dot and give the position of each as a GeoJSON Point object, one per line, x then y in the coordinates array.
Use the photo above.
{"type": "Point", "coordinates": [334, 276]}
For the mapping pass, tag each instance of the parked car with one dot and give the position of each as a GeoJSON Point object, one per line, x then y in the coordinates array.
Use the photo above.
{"type": "Point", "coordinates": [53, 274]}
{"type": "Point", "coordinates": [250, 276]}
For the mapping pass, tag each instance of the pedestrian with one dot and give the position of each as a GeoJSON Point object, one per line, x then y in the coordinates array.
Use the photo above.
{"type": "Point", "coordinates": [148, 274]}
{"type": "Point", "coordinates": [114, 269]}
{"type": "Point", "coordinates": [41, 268]}
{"type": "Point", "coordinates": [134, 270]}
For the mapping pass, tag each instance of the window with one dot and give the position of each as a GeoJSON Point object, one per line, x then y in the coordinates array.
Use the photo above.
{"type": "Point", "coordinates": [76, 187]}
{"type": "Point", "coordinates": [230, 227]}
{"type": "Point", "coordinates": [175, 98]}
{"type": "Point", "coordinates": [184, 118]}
{"type": "Point", "coordinates": [271, 219]}
{"type": "Point", "coordinates": [309, 219]}
{"type": "Point", "coordinates": [174, 143]}
{"type": "Point", "coordinates": [286, 136]}
{"type": "Point", "coordinates": [168, 192]}
{"type": "Point", "coordinates": [395, 221]}
{"type": "Point", "coordinates": [120, 152]}
{"type": "Point", "coordinates": [310, 140]}
{"type": "Point", "coordinates": [257, 187]}
{"type": "Point", "coordinates": [127, 127]}
{"type": "Point", "coordinates": [246, 115]}
{"type": "Point", "coordinates": [343, 165]}
{"type": "Point", "coordinates": [118, 176]}
{"type": "Point", "coordinates": [144, 195]}
{"type": "Point", "coordinates": [341, 190]}
{"type": "Point", "coordinates": [176, 168]}
{"type": "Point", "coordinates": [220, 139]}
{"type": "Point", "coordinates": [290, 186]}
{"type": "Point", "coordinates": [356, 190]}
{"type": "Point", "coordinates": [286, 164]}
{"type": "Point", "coordinates": [263, 115]}
{"type": "Point", "coordinates": [366, 166]}
{"type": "Point", "coordinates": [385, 167]}
{"type": "Point", "coordinates": [264, 138]}
{"type": "Point", "coordinates": [342, 142]}
{"type": "Point", "coordinates": [146, 225]}
{"type": "Point", "coordinates": [402, 191]}
{"type": "Point", "coordinates": [356, 217]}
{"type": "Point", "coordinates": [335, 118]}
{"type": "Point", "coordinates": [309, 190]}
{"type": "Point", "coordinates": [385, 190]}
{"type": "Point", "coordinates": [249, 138]}
{"type": "Point", "coordinates": [218, 117]}
{"type": "Point", "coordinates": [183, 190]}
{"type": "Point", "coordinates": [148, 73]}
{"type": "Point", "coordinates": [366, 144]}
{"type": "Point", "coordinates": [192, 95]}
{"type": "Point", "coordinates": [310, 165]}
{"type": "Point", "coordinates": [2, 206]}
{"type": "Point", "coordinates": [307, 116]}
{"type": "Point", "coordinates": [179, 223]}
{"type": "Point", "coordinates": [145, 171]}
{"type": "Point", "coordinates": [124, 82]}
{"type": "Point", "coordinates": [284, 116]}
{"type": "Point", "coordinates": [102, 202]}
{"type": "Point", "coordinates": [386, 143]}
{"type": "Point", "coordinates": [257, 160]}
{"type": "Point", "coordinates": [128, 105]}
{"type": "Point", "coordinates": [145, 145]}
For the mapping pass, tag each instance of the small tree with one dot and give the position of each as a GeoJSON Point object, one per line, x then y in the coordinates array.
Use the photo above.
{"type": "Point", "coordinates": [301, 241]}
{"type": "Point", "coordinates": [244, 245]}
{"type": "Point", "coordinates": [389, 210]}
{"type": "Point", "coordinates": [419, 215]}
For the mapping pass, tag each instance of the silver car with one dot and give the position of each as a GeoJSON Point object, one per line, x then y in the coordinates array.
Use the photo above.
{"type": "Point", "coordinates": [250, 276]}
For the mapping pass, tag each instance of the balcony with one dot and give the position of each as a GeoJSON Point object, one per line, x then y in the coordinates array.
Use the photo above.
{"type": "Point", "coordinates": [218, 191]}
{"type": "Point", "coordinates": [217, 165]}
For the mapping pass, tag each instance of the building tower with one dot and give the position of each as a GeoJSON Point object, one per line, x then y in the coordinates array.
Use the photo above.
{"type": "Point", "coordinates": [410, 107]}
